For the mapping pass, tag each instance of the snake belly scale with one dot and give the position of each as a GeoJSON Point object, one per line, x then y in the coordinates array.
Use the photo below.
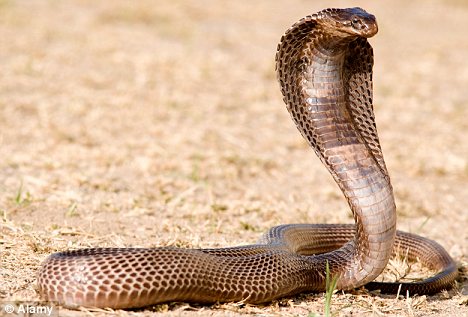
{"type": "Point", "coordinates": [324, 67]}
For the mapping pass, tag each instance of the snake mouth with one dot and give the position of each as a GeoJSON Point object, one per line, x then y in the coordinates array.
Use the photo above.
{"type": "Point", "coordinates": [369, 30]}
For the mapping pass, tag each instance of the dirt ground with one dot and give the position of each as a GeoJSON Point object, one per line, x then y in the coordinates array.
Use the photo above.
{"type": "Point", "coordinates": [153, 123]}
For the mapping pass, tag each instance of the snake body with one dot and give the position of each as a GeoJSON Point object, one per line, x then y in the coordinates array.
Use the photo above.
{"type": "Point", "coordinates": [324, 67]}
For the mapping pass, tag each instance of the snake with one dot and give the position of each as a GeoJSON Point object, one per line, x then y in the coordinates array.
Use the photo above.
{"type": "Point", "coordinates": [324, 67]}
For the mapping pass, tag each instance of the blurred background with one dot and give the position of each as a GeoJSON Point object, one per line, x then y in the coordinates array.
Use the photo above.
{"type": "Point", "coordinates": [150, 123]}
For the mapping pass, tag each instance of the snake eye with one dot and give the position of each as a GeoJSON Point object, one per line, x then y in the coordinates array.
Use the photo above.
{"type": "Point", "coordinates": [356, 23]}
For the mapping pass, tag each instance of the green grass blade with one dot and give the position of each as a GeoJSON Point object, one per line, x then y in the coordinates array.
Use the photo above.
{"type": "Point", "coordinates": [330, 284]}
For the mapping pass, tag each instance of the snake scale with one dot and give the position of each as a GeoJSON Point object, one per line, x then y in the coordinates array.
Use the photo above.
{"type": "Point", "coordinates": [324, 67]}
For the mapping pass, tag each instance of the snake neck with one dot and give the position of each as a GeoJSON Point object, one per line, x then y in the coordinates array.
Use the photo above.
{"type": "Point", "coordinates": [314, 78]}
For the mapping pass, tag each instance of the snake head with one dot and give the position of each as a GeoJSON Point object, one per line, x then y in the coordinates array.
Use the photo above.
{"type": "Point", "coordinates": [350, 22]}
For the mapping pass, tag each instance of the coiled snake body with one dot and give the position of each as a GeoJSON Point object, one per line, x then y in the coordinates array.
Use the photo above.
{"type": "Point", "coordinates": [324, 66]}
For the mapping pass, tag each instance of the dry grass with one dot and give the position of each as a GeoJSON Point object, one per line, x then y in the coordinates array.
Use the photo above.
{"type": "Point", "coordinates": [161, 123]}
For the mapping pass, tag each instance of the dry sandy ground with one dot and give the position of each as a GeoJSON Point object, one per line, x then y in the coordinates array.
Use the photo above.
{"type": "Point", "coordinates": [156, 123]}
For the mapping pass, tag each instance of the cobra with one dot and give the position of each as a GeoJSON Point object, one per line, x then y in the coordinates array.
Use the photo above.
{"type": "Point", "coordinates": [324, 67]}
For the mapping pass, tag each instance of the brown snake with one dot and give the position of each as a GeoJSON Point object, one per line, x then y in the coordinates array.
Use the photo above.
{"type": "Point", "coordinates": [324, 66]}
